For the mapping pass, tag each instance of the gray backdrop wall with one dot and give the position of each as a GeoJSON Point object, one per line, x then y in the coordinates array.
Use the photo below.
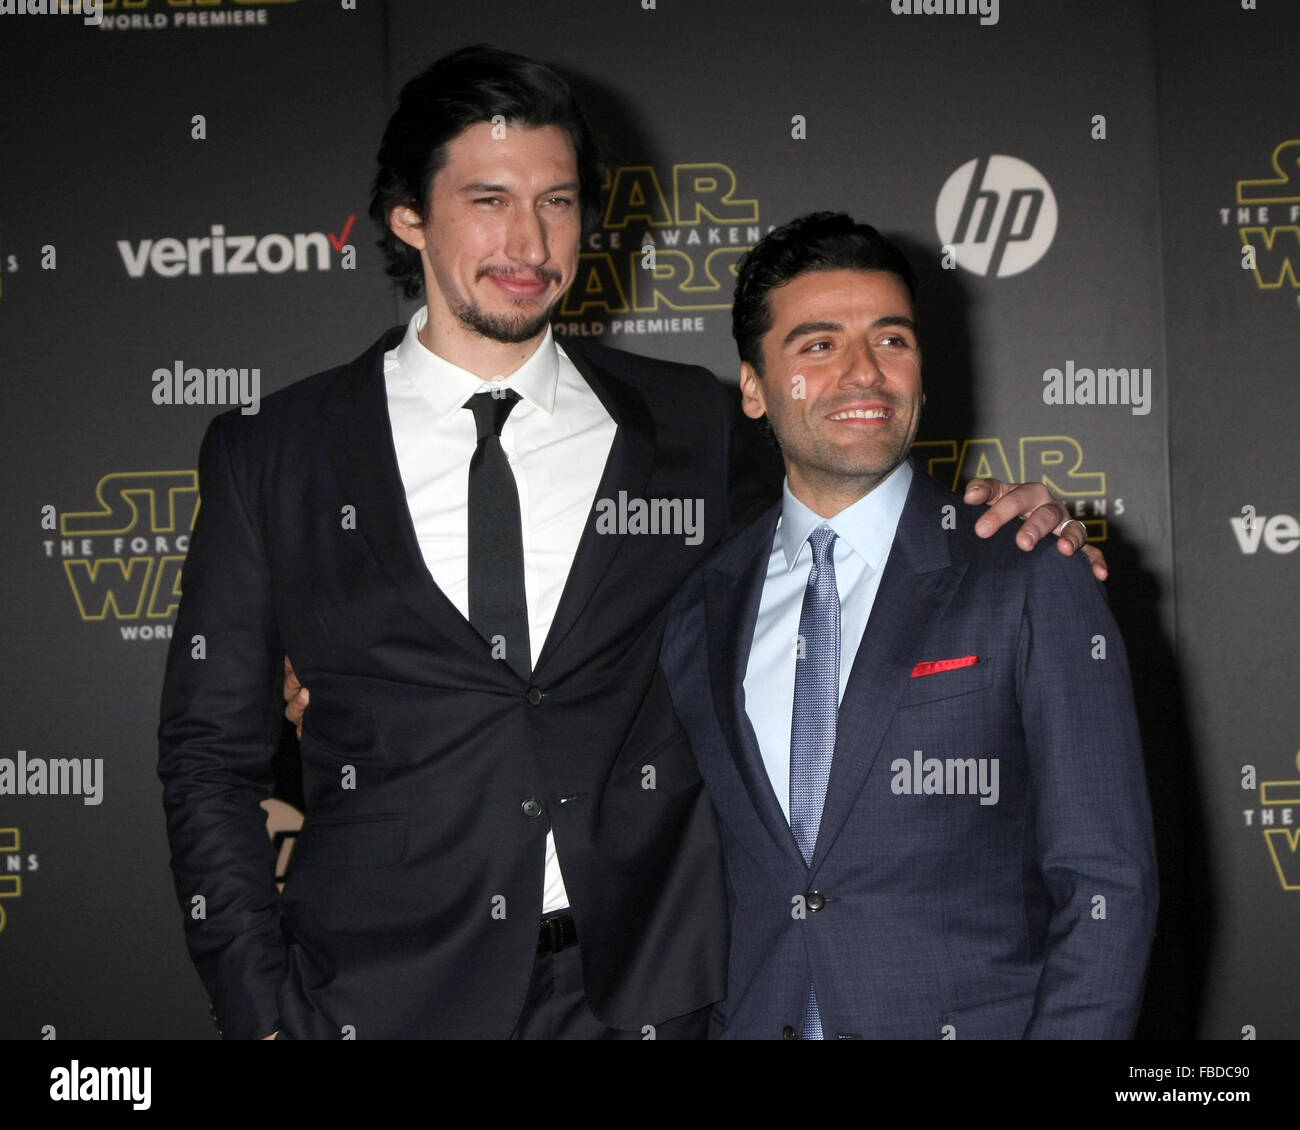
{"type": "Point", "coordinates": [1078, 183]}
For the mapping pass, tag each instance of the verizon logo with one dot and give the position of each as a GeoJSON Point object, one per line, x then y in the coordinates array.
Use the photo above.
{"type": "Point", "coordinates": [1280, 533]}
{"type": "Point", "coordinates": [220, 254]}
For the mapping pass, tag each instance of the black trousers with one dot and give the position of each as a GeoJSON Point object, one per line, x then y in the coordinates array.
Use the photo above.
{"type": "Point", "coordinates": [556, 1008]}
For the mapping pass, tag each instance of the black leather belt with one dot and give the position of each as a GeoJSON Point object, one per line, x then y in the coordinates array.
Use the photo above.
{"type": "Point", "coordinates": [559, 932]}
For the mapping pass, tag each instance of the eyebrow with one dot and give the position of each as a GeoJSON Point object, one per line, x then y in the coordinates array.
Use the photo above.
{"type": "Point", "coordinates": [484, 186]}
{"type": "Point", "coordinates": [803, 329]}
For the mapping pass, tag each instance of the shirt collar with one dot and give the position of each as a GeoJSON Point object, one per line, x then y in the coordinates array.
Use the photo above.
{"type": "Point", "coordinates": [446, 386]}
{"type": "Point", "coordinates": [867, 527]}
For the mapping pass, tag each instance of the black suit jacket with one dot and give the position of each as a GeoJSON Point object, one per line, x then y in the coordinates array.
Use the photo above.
{"type": "Point", "coordinates": [413, 905]}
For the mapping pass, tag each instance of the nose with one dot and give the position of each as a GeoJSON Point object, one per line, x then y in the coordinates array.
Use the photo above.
{"type": "Point", "coordinates": [526, 240]}
{"type": "Point", "coordinates": [861, 369]}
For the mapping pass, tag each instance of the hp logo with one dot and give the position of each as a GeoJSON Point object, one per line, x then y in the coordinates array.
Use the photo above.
{"type": "Point", "coordinates": [998, 214]}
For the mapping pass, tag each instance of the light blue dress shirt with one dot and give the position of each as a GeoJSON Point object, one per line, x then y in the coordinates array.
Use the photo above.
{"type": "Point", "coordinates": [865, 534]}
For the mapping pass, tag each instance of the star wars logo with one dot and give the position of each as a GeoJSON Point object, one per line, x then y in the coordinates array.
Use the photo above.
{"type": "Point", "coordinates": [123, 559]}
{"type": "Point", "coordinates": [1267, 217]}
{"type": "Point", "coordinates": [1057, 461]}
{"type": "Point", "coordinates": [1278, 819]}
{"type": "Point", "coordinates": [13, 864]}
{"type": "Point", "coordinates": [667, 246]}
{"type": "Point", "coordinates": [151, 15]}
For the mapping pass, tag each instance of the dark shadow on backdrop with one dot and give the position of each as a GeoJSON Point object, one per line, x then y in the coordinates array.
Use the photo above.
{"type": "Point", "coordinates": [1176, 978]}
{"type": "Point", "coordinates": [1176, 981]}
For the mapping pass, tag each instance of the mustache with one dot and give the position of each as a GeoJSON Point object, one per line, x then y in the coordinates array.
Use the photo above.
{"type": "Point", "coordinates": [541, 274]}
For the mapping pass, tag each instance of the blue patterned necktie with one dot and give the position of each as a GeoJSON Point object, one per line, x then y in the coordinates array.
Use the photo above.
{"type": "Point", "coordinates": [816, 704]}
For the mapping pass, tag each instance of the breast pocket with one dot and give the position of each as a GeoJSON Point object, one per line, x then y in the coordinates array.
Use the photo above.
{"type": "Point", "coordinates": [950, 684]}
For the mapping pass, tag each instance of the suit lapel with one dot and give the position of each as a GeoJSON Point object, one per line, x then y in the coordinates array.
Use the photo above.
{"type": "Point", "coordinates": [631, 457]}
{"type": "Point", "coordinates": [358, 440]}
{"type": "Point", "coordinates": [917, 585]}
{"type": "Point", "coordinates": [733, 591]}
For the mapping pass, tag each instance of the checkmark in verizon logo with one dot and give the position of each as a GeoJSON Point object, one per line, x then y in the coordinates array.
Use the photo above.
{"type": "Point", "coordinates": [339, 240]}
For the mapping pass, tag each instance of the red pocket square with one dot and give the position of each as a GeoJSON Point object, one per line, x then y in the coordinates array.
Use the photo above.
{"type": "Point", "coordinates": [934, 666]}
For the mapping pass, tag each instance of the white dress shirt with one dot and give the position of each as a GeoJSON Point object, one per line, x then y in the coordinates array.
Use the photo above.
{"type": "Point", "coordinates": [557, 439]}
{"type": "Point", "coordinates": [865, 534]}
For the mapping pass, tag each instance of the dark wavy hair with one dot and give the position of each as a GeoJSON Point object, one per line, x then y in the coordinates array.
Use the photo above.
{"type": "Point", "coordinates": [459, 90]}
{"type": "Point", "coordinates": [820, 241]}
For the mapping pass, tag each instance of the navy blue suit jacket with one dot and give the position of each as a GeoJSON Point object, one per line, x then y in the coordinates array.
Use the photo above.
{"type": "Point", "coordinates": [927, 913]}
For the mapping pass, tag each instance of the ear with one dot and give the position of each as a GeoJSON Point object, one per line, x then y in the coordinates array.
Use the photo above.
{"type": "Point", "coordinates": [408, 225]}
{"type": "Point", "coordinates": [752, 401]}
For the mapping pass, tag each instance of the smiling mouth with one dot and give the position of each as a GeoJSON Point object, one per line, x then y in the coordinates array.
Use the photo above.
{"type": "Point", "coordinates": [521, 285]}
{"type": "Point", "coordinates": [862, 414]}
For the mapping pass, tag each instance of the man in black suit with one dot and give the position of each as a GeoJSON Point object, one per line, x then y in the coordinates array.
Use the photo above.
{"type": "Point", "coordinates": [466, 540]}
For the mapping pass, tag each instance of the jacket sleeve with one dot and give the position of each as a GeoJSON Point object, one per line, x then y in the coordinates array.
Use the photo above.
{"type": "Point", "coordinates": [217, 736]}
{"type": "Point", "coordinates": [1092, 818]}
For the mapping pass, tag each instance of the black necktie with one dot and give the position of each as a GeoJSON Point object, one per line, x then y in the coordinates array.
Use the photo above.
{"type": "Point", "coordinates": [498, 607]}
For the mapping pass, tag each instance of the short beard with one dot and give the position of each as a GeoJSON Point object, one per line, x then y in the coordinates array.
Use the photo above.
{"type": "Point", "coordinates": [499, 327]}
{"type": "Point", "coordinates": [502, 327]}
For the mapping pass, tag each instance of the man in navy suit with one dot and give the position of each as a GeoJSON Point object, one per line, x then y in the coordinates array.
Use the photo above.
{"type": "Point", "coordinates": [921, 744]}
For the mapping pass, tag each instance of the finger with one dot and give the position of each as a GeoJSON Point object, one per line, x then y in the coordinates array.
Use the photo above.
{"type": "Point", "coordinates": [297, 706]}
{"type": "Point", "coordinates": [1097, 560]}
{"type": "Point", "coordinates": [1070, 536]}
{"type": "Point", "coordinates": [291, 684]}
{"type": "Point", "coordinates": [1046, 519]}
{"type": "Point", "coordinates": [979, 491]}
{"type": "Point", "coordinates": [1073, 537]}
{"type": "Point", "coordinates": [1026, 499]}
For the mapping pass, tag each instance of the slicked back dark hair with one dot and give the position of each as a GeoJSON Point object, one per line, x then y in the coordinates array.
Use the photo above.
{"type": "Point", "coordinates": [457, 91]}
{"type": "Point", "coordinates": [820, 241]}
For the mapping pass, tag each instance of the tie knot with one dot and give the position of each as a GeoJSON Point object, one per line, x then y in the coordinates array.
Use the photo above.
{"type": "Point", "coordinates": [821, 540]}
{"type": "Point", "coordinates": [491, 409]}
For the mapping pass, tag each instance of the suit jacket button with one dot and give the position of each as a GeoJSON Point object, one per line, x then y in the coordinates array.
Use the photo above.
{"type": "Point", "coordinates": [816, 900]}
{"type": "Point", "coordinates": [534, 696]}
{"type": "Point", "coordinates": [532, 807]}
{"type": "Point", "coordinates": [788, 1033]}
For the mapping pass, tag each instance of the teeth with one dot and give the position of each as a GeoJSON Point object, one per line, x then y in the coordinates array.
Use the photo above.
{"type": "Point", "coordinates": [862, 414]}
